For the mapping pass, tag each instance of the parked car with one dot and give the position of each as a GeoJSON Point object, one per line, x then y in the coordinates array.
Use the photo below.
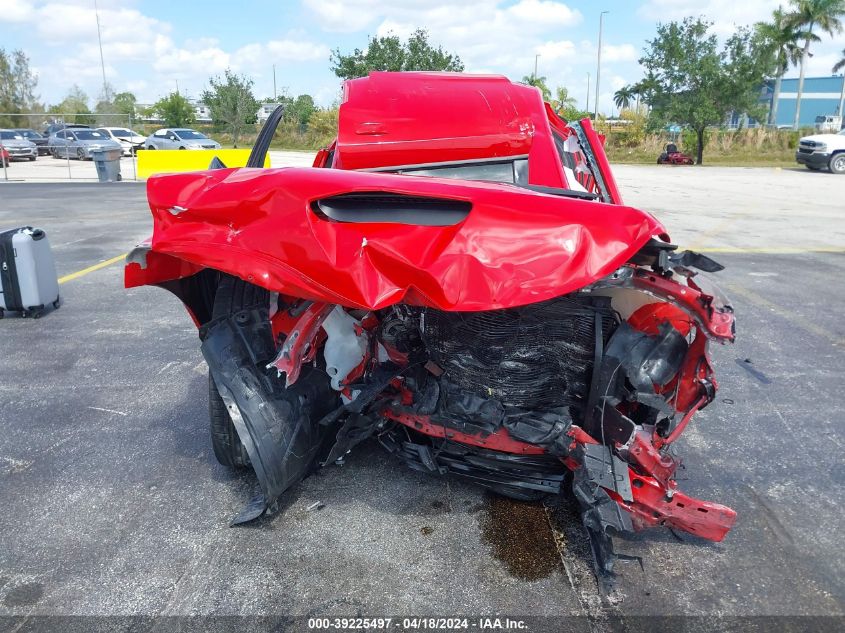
{"type": "Point", "coordinates": [487, 310]}
{"type": "Point", "coordinates": [822, 150]}
{"type": "Point", "coordinates": [129, 140]}
{"type": "Point", "coordinates": [18, 147]}
{"type": "Point", "coordinates": [179, 138]}
{"type": "Point", "coordinates": [4, 157]}
{"type": "Point", "coordinates": [34, 137]}
{"type": "Point", "coordinates": [79, 143]}
{"type": "Point", "coordinates": [671, 156]}
{"type": "Point", "coordinates": [55, 127]}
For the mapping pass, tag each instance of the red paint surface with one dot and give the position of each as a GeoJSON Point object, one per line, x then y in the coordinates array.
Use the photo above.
{"type": "Point", "coordinates": [515, 247]}
{"type": "Point", "coordinates": [498, 441]}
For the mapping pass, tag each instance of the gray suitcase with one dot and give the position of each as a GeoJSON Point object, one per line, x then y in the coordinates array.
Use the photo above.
{"type": "Point", "coordinates": [28, 281]}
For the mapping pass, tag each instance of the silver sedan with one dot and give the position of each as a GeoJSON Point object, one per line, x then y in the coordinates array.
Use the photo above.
{"type": "Point", "coordinates": [79, 143]}
{"type": "Point", "coordinates": [179, 138]}
{"type": "Point", "coordinates": [18, 146]}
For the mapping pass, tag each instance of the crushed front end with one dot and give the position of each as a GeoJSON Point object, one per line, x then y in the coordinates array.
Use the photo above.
{"type": "Point", "coordinates": [531, 334]}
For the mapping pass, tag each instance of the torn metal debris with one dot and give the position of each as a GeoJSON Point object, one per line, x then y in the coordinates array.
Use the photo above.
{"type": "Point", "coordinates": [468, 290]}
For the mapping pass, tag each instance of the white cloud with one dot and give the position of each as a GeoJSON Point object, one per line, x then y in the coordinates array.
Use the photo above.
{"type": "Point", "coordinates": [16, 11]}
{"type": "Point", "coordinates": [133, 40]}
{"type": "Point", "coordinates": [725, 14]}
{"type": "Point", "coordinates": [544, 12]}
{"type": "Point", "coordinates": [621, 53]}
{"type": "Point", "coordinates": [553, 51]}
{"type": "Point", "coordinates": [293, 50]}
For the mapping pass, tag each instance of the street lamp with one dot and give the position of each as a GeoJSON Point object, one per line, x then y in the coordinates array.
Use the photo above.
{"type": "Point", "coordinates": [598, 65]}
{"type": "Point", "coordinates": [536, 57]}
{"type": "Point", "coordinates": [587, 107]}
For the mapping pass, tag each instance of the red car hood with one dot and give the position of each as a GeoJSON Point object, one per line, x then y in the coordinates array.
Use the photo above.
{"type": "Point", "coordinates": [513, 247]}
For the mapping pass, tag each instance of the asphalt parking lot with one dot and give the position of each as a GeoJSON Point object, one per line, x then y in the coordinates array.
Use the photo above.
{"type": "Point", "coordinates": [114, 504]}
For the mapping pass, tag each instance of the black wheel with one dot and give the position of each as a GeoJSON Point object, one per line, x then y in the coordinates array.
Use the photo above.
{"type": "Point", "coordinates": [181, 148]}
{"type": "Point", "coordinates": [32, 158]}
{"type": "Point", "coordinates": [57, 303]}
{"type": "Point", "coordinates": [150, 147]}
{"type": "Point", "coordinates": [233, 296]}
{"type": "Point", "coordinates": [837, 163]}
{"type": "Point", "coordinates": [80, 154]}
{"type": "Point", "coordinates": [227, 446]}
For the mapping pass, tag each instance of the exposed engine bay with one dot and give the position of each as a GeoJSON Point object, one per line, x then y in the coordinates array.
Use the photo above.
{"type": "Point", "coordinates": [589, 389]}
{"type": "Point", "coordinates": [502, 318]}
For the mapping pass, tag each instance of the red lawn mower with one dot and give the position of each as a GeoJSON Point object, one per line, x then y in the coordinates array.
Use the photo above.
{"type": "Point", "coordinates": [671, 156]}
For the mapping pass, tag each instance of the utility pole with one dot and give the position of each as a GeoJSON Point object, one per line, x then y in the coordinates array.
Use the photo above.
{"type": "Point", "coordinates": [598, 65]}
{"type": "Point", "coordinates": [587, 107]}
{"type": "Point", "coordinates": [177, 86]}
{"type": "Point", "coordinates": [842, 104]}
{"type": "Point", "coordinates": [102, 60]}
{"type": "Point", "coordinates": [536, 58]}
{"type": "Point", "coordinates": [274, 84]}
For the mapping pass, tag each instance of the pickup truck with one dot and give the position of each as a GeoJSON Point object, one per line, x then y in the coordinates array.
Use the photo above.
{"type": "Point", "coordinates": [822, 150]}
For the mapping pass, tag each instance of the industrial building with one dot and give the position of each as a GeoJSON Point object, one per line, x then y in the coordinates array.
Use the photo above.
{"type": "Point", "coordinates": [821, 96]}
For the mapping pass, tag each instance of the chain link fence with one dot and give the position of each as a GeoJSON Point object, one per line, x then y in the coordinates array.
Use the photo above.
{"type": "Point", "coordinates": [64, 143]}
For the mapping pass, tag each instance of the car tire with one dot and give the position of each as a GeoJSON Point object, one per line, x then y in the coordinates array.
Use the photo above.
{"type": "Point", "coordinates": [233, 295]}
{"type": "Point", "coordinates": [80, 154]}
{"type": "Point", "coordinates": [837, 163]}
{"type": "Point", "coordinates": [181, 148]}
{"type": "Point", "coordinates": [150, 147]}
{"type": "Point", "coordinates": [32, 158]}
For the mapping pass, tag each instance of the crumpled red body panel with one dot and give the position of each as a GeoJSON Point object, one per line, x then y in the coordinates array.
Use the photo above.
{"type": "Point", "coordinates": [515, 247]}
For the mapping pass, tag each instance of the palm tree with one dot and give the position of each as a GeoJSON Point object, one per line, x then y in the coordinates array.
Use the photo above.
{"type": "Point", "coordinates": [563, 100]}
{"type": "Point", "coordinates": [623, 97]}
{"type": "Point", "coordinates": [836, 68]}
{"type": "Point", "coordinates": [538, 82]}
{"type": "Point", "coordinates": [783, 37]}
{"type": "Point", "coordinates": [807, 15]}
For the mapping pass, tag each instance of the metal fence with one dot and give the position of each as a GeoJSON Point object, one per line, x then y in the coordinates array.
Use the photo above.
{"type": "Point", "coordinates": [57, 158]}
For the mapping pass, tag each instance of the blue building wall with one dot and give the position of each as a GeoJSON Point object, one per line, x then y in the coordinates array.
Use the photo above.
{"type": "Point", "coordinates": [820, 97]}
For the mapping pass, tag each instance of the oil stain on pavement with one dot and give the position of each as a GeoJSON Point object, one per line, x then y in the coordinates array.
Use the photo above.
{"type": "Point", "coordinates": [519, 535]}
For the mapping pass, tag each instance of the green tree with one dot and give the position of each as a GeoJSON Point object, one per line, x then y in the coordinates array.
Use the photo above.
{"type": "Point", "coordinates": [624, 97]}
{"type": "Point", "coordinates": [697, 85]}
{"type": "Point", "coordinates": [74, 107]}
{"type": "Point", "coordinates": [782, 38]}
{"type": "Point", "coordinates": [563, 100]}
{"type": "Point", "coordinates": [175, 110]}
{"type": "Point", "coordinates": [17, 85]}
{"type": "Point", "coordinates": [807, 16]}
{"type": "Point", "coordinates": [233, 105]}
{"type": "Point", "coordinates": [299, 110]}
{"type": "Point", "coordinates": [323, 124]}
{"type": "Point", "coordinates": [390, 53]}
{"type": "Point", "coordinates": [540, 83]}
{"type": "Point", "coordinates": [124, 103]}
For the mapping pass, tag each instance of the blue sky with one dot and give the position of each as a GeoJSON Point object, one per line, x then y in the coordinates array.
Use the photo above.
{"type": "Point", "coordinates": [149, 45]}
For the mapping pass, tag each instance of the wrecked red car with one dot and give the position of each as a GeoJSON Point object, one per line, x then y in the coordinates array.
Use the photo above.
{"type": "Point", "coordinates": [458, 277]}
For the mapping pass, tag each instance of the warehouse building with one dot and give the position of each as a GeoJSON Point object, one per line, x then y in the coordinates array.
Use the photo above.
{"type": "Point", "coordinates": [822, 96]}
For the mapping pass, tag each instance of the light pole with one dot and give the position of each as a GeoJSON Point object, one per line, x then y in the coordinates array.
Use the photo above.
{"type": "Point", "coordinates": [536, 58]}
{"type": "Point", "coordinates": [587, 107]}
{"type": "Point", "coordinates": [102, 60]}
{"type": "Point", "coordinates": [598, 65]}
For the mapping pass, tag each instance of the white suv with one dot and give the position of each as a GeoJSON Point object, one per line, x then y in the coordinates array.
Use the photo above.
{"type": "Point", "coordinates": [822, 150]}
